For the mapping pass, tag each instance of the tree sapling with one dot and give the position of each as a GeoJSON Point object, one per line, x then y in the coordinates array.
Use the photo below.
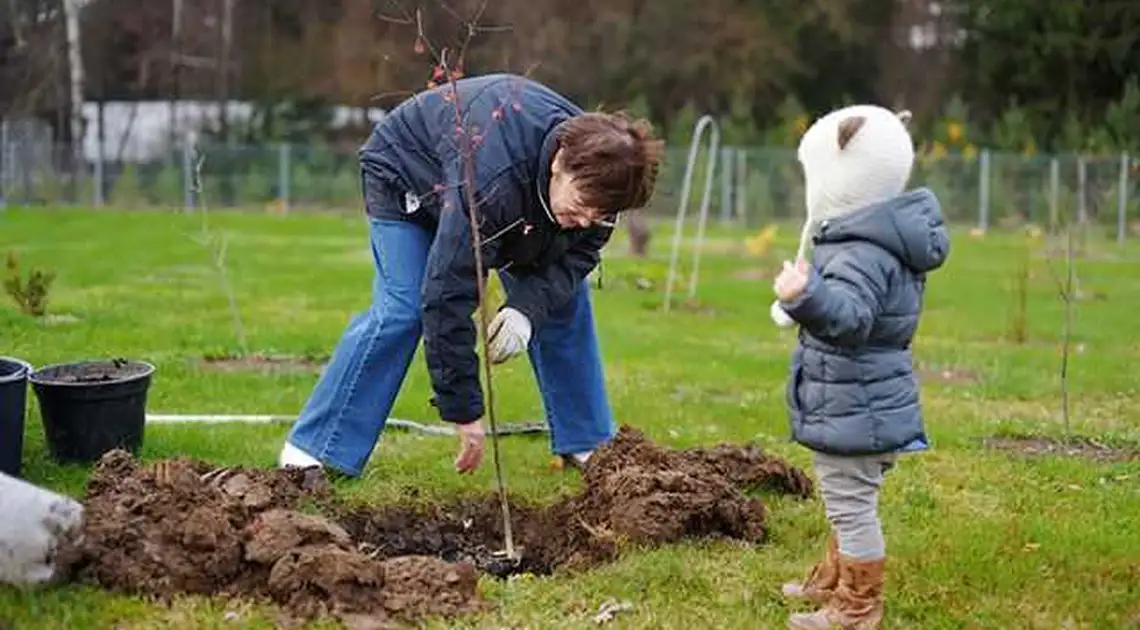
{"type": "Point", "coordinates": [31, 296]}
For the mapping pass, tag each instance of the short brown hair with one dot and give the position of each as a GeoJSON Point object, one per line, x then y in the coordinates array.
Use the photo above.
{"type": "Point", "coordinates": [613, 158]}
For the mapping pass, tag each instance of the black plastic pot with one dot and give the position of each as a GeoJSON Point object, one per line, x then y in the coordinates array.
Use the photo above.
{"type": "Point", "coordinates": [13, 405]}
{"type": "Point", "coordinates": [92, 407]}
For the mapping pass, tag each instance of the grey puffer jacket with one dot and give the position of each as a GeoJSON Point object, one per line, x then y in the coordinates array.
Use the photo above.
{"type": "Point", "coordinates": [853, 389]}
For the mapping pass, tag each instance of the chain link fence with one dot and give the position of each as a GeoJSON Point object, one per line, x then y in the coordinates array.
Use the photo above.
{"type": "Point", "coordinates": [990, 190]}
{"type": "Point", "coordinates": [749, 186]}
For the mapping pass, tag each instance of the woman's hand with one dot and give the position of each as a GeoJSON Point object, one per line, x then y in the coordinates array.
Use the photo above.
{"type": "Point", "coordinates": [470, 447]}
{"type": "Point", "coordinates": [508, 335]}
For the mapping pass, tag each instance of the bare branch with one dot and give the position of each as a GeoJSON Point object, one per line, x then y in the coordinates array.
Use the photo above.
{"type": "Point", "coordinates": [455, 14]}
{"type": "Point", "coordinates": [393, 20]}
{"type": "Point", "coordinates": [472, 25]}
{"type": "Point", "coordinates": [407, 18]}
{"type": "Point", "coordinates": [479, 13]}
{"type": "Point", "coordinates": [421, 37]}
{"type": "Point", "coordinates": [1065, 293]}
{"type": "Point", "coordinates": [219, 257]}
{"type": "Point", "coordinates": [387, 95]}
{"type": "Point", "coordinates": [500, 28]}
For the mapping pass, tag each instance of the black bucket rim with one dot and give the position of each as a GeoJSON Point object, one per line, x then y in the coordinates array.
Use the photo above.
{"type": "Point", "coordinates": [20, 374]}
{"type": "Point", "coordinates": [148, 370]}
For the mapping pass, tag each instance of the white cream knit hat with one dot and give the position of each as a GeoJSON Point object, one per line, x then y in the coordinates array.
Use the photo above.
{"type": "Point", "coordinates": [852, 157]}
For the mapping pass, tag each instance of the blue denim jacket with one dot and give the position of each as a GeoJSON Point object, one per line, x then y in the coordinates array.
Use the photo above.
{"type": "Point", "coordinates": [414, 156]}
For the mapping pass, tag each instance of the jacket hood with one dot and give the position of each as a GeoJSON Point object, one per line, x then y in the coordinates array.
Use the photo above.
{"type": "Point", "coordinates": [910, 226]}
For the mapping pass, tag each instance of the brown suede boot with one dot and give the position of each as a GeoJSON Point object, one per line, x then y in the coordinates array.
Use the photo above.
{"type": "Point", "coordinates": [857, 603]}
{"type": "Point", "coordinates": [821, 579]}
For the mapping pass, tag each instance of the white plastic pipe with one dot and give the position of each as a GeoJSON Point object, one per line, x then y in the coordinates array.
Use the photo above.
{"type": "Point", "coordinates": [159, 418]}
{"type": "Point", "coordinates": [431, 429]}
{"type": "Point", "coordinates": [213, 419]}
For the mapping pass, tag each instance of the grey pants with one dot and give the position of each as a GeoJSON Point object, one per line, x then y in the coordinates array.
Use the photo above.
{"type": "Point", "coordinates": [850, 490]}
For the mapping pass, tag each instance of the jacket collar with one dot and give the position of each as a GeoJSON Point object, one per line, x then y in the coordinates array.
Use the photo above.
{"type": "Point", "coordinates": [545, 157]}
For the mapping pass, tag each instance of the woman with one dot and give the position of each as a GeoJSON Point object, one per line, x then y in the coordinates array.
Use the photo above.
{"type": "Point", "coordinates": [549, 181]}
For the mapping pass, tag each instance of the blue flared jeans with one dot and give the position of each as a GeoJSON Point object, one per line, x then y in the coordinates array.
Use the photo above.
{"type": "Point", "coordinates": [349, 407]}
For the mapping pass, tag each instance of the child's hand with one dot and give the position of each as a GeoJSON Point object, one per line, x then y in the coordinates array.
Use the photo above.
{"type": "Point", "coordinates": [792, 280]}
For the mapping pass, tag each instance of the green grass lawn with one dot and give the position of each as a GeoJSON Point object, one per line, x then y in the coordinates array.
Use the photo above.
{"type": "Point", "coordinates": [976, 538]}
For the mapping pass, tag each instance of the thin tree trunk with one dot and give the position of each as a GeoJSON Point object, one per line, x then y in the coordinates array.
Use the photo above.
{"type": "Point", "coordinates": [1069, 297]}
{"type": "Point", "coordinates": [175, 69]}
{"type": "Point", "coordinates": [75, 71]}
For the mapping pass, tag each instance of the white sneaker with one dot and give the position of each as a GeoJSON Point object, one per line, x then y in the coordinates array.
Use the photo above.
{"type": "Point", "coordinates": [577, 460]}
{"type": "Point", "coordinates": [293, 457]}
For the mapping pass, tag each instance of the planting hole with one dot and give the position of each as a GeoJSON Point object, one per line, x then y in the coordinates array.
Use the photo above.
{"type": "Point", "coordinates": [1043, 446]}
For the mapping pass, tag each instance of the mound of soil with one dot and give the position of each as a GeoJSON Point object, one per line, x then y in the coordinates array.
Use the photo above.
{"type": "Point", "coordinates": [180, 526]}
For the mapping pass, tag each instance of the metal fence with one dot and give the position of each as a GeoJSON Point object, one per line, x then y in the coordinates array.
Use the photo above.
{"type": "Point", "coordinates": [750, 185]}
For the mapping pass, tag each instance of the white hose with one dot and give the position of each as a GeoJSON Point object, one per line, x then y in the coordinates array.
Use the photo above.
{"type": "Point", "coordinates": [268, 419]}
{"type": "Point", "coordinates": [431, 429]}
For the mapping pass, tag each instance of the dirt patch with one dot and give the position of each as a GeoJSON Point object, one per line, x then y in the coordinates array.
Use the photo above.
{"type": "Point", "coordinates": [266, 363]}
{"type": "Point", "coordinates": [1041, 446]}
{"type": "Point", "coordinates": [947, 374]}
{"type": "Point", "coordinates": [181, 526]}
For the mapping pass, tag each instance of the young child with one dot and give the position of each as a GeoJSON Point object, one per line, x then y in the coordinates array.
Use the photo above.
{"type": "Point", "coordinates": [853, 398]}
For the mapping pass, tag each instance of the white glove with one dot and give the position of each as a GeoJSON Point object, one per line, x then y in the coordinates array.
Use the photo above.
{"type": "Point", "coordinates": [780, 316]}
{"type": "Point", "coordinates": [508, 335]}
{"type": "Point", "coordinates": [34, 525]}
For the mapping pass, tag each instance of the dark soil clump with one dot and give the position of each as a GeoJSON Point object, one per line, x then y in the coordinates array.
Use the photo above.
{"type": "Point", "coordinates": [176, 526]}
{"type": "Point", "coordinates": [181, 526]}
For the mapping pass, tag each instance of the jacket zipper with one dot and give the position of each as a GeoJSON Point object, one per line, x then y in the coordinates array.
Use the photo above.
{"type": "Point", "coordinates": [503, 231]}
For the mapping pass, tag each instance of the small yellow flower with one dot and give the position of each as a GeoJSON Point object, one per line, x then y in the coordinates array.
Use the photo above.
{"type": "Point", "coordinates": [954, 132]}
{"type": "Point", "coordinates": [759, 244]}
{"type": "Point", "coordinates": [801, 124]}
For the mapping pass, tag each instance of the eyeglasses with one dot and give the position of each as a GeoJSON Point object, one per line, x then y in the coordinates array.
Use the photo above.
{"type": "Point", "coordinates": [607, 220]}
